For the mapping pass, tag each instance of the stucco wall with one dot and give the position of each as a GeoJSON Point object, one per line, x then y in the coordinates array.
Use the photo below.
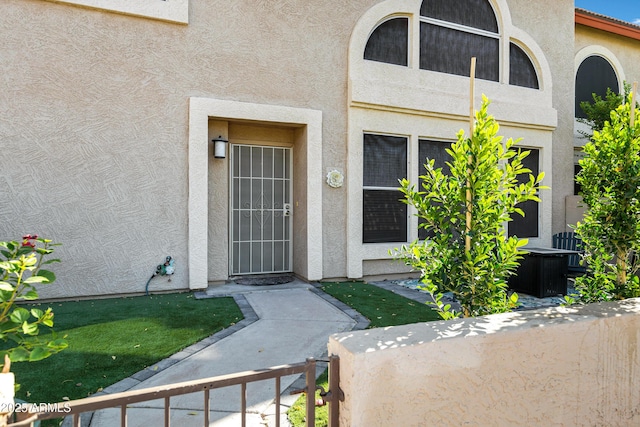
{"type": "Point", "coordinates": [92, 131]}
{"type": "Point", "coordinates": [551, 24]}
{"type": "Point", "coordinates": [94, 115]}
{"type": "Point", "coordinates": [550, 367]}
{"type": "Point", "coordinates": [94, 121]}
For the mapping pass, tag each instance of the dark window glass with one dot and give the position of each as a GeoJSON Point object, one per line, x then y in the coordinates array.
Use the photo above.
{"type": "Point", "coordinates": [527, 226]}
{"type": "Point", "coordinates": [594, 75]}
{"type": "Point", "coordinates": [385, 160]}
{"type": "Point", "coordinates": [428, 150]}
{"type": "Point", "coordinates": [384, 217]}
{"type": "Point", "coordinates": [531, 162]}
{"type": "Point", "coordinates": [435, 150]}
{"type": "Point", "coordinates": [384, 214]}
{"type": "Point", "coordinates": [521, 69]}
{"type": "Point", "coordinates": [449, 51]}
{"type": "Point", "coordinates": [471, 13]}
{"type": "Point", "coordinates": [389, 42]}
{"type": "Point", "coordinates": [577, 188]}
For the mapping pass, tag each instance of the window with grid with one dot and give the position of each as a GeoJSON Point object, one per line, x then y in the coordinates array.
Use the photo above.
{"type": "Point", "coordinates": [384, 214]}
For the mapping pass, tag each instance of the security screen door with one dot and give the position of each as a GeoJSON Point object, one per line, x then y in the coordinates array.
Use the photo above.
{"type": "Point", "coordinates": [260, 210]}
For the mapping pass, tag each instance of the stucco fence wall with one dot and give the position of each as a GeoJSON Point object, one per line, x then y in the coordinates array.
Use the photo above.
{"type": "Point", "coordinates": [549, 367]}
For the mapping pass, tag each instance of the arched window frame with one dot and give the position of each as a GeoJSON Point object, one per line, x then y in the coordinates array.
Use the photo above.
{"type": "Point", "coordinates": [388, 99]}
{"type": "Point", "coordinates": [584, 53]}
{"type": "Point", "coordinates": [607, 55]}
{"type": "Point", "coordinates": [505, 34]}
{"type": "Point", "coordinates": [532, 60]}
{"type": "Point", "coordinates": [407, 41]}
{"type": "Point", "coordinates": [475, 31]}
{"type": "Point", "coordinates": [580, 128]}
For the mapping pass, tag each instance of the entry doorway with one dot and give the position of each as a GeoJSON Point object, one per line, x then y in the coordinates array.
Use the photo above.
{"type": "Point", "coordinates": [260, 210]}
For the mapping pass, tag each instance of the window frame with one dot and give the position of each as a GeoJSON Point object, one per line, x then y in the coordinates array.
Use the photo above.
{"type": "Point", "coordinates": [578, 113]}
{"type": "Point", "coordinates": [522, 178]}
{"type": "Point", "coordinates": [407, 41]}
{"type": "Point", "coordinates": [526, 55]}
{"type": "Point", "coordinates": [498, 68]}
{"type": "Point", "coordinates": [366, 188]}
{"type": "Point", "coordinates": [498, 36]}
{"type": "Point", "coordinates": [424, 105]}
{"type": "Point", "coordinates": [422, 234]}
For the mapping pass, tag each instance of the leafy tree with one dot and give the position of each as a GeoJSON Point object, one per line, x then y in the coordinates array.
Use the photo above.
{"type": "Point", "coordinates": [610, 231]}
{"type": "Point", "coordinates": [469, 253]}
{"type": "Point", "coordinates": [599, 111]}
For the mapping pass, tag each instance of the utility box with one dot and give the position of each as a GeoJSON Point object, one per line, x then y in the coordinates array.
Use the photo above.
{"type": "Point", "coordinates": [542, 272]}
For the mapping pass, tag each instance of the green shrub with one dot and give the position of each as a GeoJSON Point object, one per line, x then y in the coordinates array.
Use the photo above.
{"type": "Point", "coordinates": [464, 211]}
{"type": "Point", "coordinates": [610, 230]}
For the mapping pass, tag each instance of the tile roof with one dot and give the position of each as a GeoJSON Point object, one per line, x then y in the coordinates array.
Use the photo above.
{"type": "Point", "coordinates": [607, 23]}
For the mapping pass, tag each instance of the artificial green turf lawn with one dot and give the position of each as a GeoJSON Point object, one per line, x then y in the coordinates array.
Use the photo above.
{"type": "Point", "coordinates": [111, 339]}
{"type": "Point", "coordinates": [382, 308]}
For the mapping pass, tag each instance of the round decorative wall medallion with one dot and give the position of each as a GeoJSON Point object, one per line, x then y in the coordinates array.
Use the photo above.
{"type": "Point", "coordinates": [335, 179]}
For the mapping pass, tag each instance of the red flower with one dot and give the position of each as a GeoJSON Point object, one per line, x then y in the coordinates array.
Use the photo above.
{"type": "Point", "coordinates": [27, 240]}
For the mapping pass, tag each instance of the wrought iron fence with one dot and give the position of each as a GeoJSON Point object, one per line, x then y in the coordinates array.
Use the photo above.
{"type": "Point", "coordinates": [332, 396]}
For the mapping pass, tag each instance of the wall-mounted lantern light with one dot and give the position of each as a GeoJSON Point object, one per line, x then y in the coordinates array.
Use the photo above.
{"type": "Point", "coordinates": [219, 147]}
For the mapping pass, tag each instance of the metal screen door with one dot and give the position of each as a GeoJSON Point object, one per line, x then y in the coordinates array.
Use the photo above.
{"type": "Point", "coordinates": [260, 209]}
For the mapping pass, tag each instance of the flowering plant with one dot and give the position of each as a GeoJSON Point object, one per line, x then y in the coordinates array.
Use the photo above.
{"type": "Point", "coordinates": [20, 269]}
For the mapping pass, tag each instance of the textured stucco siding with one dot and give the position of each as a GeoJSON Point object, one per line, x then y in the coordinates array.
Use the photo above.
{"type": "Point", "coordinates": [551, 24]}
{"type": "Point", "coordinates": [92, 131]}
{"type": "Point", "coordinates": [94, 122]}
{"type": "Point", "coordinates": [551, 367]}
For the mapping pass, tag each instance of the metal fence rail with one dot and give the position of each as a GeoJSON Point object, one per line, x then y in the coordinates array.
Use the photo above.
{"type": "Point", "coordinates": [75, 408]}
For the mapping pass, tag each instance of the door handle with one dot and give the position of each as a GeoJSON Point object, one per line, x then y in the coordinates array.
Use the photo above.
{"type": "Point", "coordinates": [286, 210]}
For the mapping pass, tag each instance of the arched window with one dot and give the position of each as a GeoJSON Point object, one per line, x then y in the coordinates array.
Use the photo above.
{"type": "Point", "coordinates": [595, 74]}
{"type": "Point", "coordinates": [521, 69]}
{"type": "Point", "coordinates": [453, 31]}
{"type": "Point", "coordinates": [471, 13]}
{"type": "Point", "coordinates": [389, 42]}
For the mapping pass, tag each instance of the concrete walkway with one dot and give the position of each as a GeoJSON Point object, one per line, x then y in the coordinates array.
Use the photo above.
{"type": "Point", "coordinates": [283, 324]}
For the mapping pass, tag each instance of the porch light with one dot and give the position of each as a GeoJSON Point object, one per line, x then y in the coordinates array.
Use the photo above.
{"type": "Point", "coordinates": [219, 147]}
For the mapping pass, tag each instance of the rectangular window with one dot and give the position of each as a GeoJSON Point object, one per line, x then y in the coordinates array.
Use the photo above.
{"type": "Point", "coordinates": [384, 214]}
{"type": "Point", "coordinates": [428, 150]}
{"type": "Point", "coordinates": [527, 226]}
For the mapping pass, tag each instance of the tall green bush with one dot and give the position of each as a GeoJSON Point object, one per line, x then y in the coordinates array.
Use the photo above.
{"type": "Point", "coordinates": [610, 230]}
{"type": "Point", "coordinates": [476, 276]}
